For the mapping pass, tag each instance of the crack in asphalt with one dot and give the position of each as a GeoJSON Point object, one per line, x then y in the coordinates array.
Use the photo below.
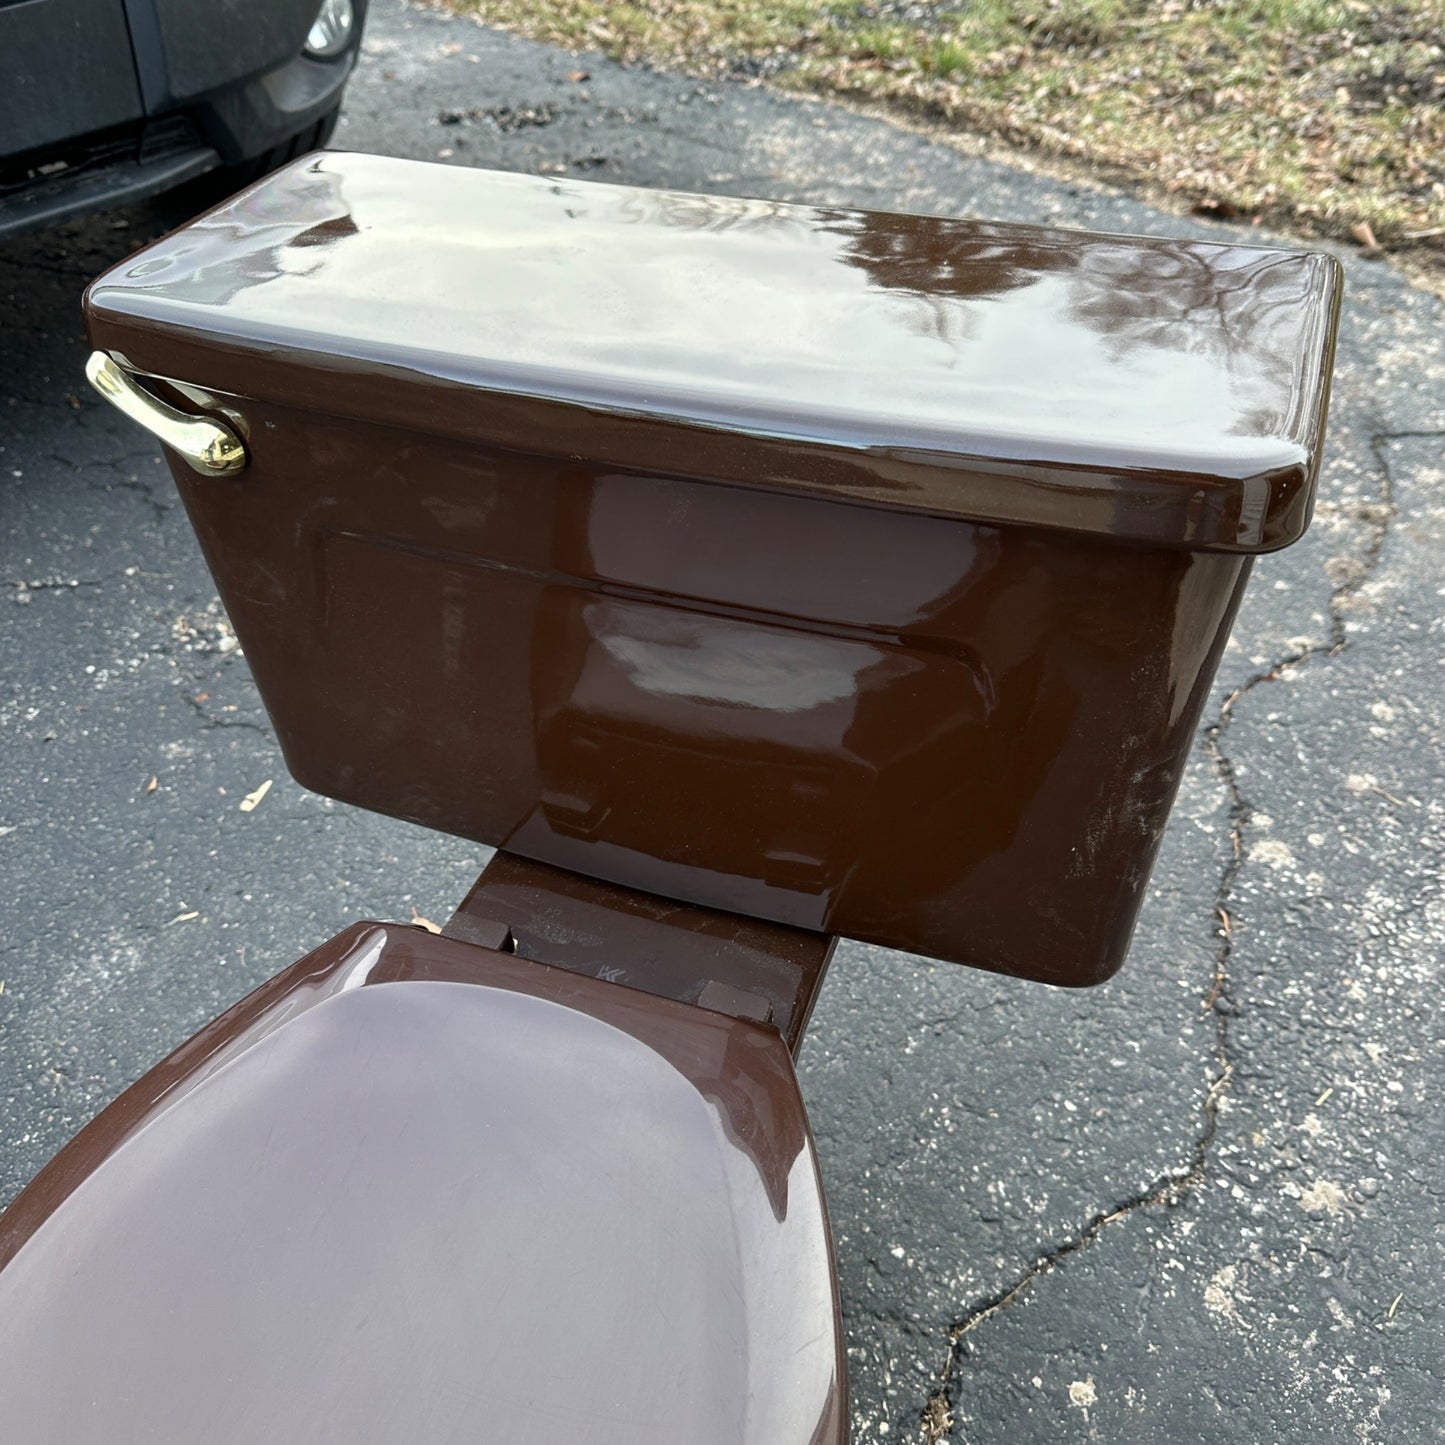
{"type": "Point", "coordinates": [936, 1420]}
{"type": "Point", "coordinates": [25, 588]}
{"type": "Point", "coordinates": [210, 721]}
{"type": "Point", "coordinates": [54, 582]}
{"type": "Point", "coordinates": [158, 503]}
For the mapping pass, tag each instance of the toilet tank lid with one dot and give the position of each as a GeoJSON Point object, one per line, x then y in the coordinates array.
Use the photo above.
{"type": "Point", "coordinates": [1160, 390]}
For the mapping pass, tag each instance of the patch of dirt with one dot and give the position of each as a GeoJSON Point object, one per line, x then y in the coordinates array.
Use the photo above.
{"type": "Point", "coordinates": [1321, 117]}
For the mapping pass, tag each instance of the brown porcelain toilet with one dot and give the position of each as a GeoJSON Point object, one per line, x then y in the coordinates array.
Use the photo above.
{"type": "Point", "coordinates": [748, 575]}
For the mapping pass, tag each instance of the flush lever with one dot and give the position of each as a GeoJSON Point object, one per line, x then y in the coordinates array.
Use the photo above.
{"type": "Point", "coordinates": [206, 445]}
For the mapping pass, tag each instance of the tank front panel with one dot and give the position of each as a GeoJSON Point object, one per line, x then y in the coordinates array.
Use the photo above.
{"type": "Point", "coordinates": [947, 737]}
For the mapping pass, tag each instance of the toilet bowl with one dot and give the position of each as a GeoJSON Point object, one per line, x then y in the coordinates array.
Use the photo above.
{"type": "Point", "coordinates": [746, 575]}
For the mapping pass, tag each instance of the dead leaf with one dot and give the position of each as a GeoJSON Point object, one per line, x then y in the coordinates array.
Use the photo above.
{"type": "Point", "coordinates": [250, 802]}
{"type": "Point", "coordinates": [452, 48]}
{"type": "Point", "coordinates": [152, 785]}
{"type": "Point", "coordinates": [421, 922]}
{"type": "Point", "coordinates": [1366, 238]}
{"type": "Point", "coordinates": [578, 76]}
{"type": "Point", "coordinates": [1215, 210]}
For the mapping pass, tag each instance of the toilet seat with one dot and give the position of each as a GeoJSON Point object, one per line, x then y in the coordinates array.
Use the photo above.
{"type": "Point", "coordinates": [415, 1190]}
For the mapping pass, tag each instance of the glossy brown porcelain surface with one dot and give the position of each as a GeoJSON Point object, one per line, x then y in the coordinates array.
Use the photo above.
{"type": "Point", "coordinates": [741, 966]}
{"type": "Point", "coordinates": [953, 739]}
{"type": "Point", "coordinates": [413, 1190]}
{"type": "Point", "coordinates": [1168, 390]}
{"type": "Point", "coordinates": [494, 570]}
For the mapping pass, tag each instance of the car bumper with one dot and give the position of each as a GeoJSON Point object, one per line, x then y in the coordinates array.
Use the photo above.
{"type": "Point", "coordinates": [240, 123]}
{"type": "Point", "coordinates": [110, 181]}
{"type": "Point", "coordinates": [247, 120]}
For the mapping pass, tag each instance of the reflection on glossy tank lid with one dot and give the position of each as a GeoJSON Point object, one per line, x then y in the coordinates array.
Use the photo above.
{"type": "Point", "coordinates": [1165, 391]}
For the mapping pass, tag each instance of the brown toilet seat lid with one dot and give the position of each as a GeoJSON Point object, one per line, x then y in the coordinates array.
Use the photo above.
{"type": "Point", "coordinates": [416, 1191]}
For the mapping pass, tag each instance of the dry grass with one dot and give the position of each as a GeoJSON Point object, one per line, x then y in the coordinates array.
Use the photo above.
{"type": "Point", "coordinates": [1326, 117]}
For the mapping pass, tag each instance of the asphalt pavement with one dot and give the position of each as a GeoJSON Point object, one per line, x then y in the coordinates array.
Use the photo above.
{"type": "Point", "coordinates": [1200, 1203]}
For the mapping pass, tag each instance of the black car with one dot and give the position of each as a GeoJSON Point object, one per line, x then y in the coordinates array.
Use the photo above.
{"type": "Point", "coordinates": [105, 101]}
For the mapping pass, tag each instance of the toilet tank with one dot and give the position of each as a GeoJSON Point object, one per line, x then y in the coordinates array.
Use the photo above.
{"type": "Point", "coordinates": [860, 572]}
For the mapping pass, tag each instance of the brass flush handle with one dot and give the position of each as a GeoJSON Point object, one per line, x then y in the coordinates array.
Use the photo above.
{"type": "Point", "coordinates": [207, 446]}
